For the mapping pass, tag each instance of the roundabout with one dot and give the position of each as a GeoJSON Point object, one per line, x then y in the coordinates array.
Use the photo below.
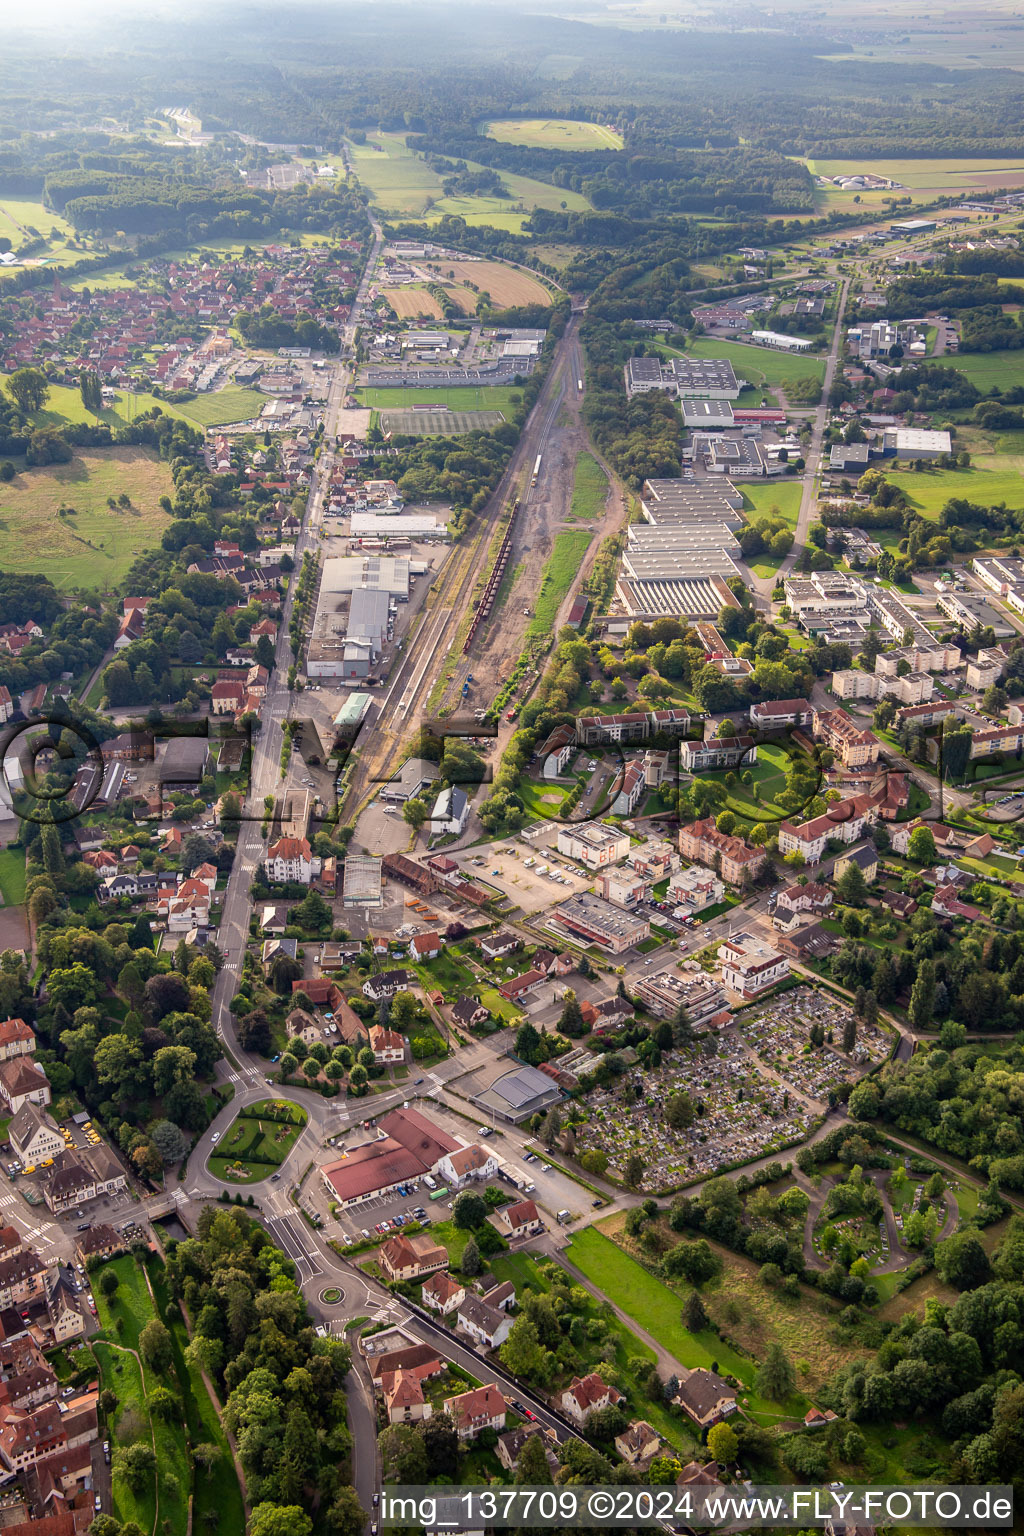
{"type": "Point", "coordinates": [332, 1296]}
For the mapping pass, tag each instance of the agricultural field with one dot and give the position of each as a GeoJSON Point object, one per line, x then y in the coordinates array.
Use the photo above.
{"type": "Point", "coordinates": [92, 545]}
{"type": "Point", "coordinates": [923, 180]}
{"type": "Point", "coordinates": [23, 220]}
{"type": "Point", "coordinates": [397, 180]}
{"type": "Point", "coordinates": [497, 397]}
{"type": "Point", "coordinates": [506, 286]}
{"type": "Point", "coordinates": [760, 365]}
{"type": "Point", "coordinates": [412, 303]}
{"type": "Point", "coordinates": [233, 403]}
{"type": "Point", "coordinates": [553, 133]}
{"type": "Point", "coordinates": [560, 571]}
{"type": "Point", "coordinates": [509, 213]}
{"type": "Point", "coordinates": [589, 491]}
{"type": "Point", "coordinates": [257, 1141]}
{"type": "Point", "coordinates": [439, 423]}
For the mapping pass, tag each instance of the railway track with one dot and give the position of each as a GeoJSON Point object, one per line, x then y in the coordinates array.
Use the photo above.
{"type": "Point", "coordinates": [400, 708]}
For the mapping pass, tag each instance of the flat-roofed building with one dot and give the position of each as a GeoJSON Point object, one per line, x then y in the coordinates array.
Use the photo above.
{"type": "Point", "coordinates": [665, 992]}
{"type": "Point", "coordinates": [594, 844]}
{"type": "Point", "coordinates": [705, 378]}
{"type": "Point", "coordinates": [749, 966]}
{"type": "Point", "coordinates": [709, 415]}
{"type": "Point", "coordinates": [594, 921]}
{"type": "Point", "coordinates": [917, 442]}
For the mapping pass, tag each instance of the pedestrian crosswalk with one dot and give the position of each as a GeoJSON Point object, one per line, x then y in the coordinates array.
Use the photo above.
{"type": "Point", "coordinates": [9, 1199]}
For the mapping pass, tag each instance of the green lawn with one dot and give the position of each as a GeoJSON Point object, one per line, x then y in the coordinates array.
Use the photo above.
{"type": "Point", "coordinates": [657, 1308]}
{"type": "Point", "coordinates": [225, 405]}
{"type": "Point", "coordinates": [984, 369]}
{"type": "Point", "coordinates": [538, 800]}
{"type": "Point", "coordinates": [760, 365]}
{"type": "Point", "coordinates": [64, 404]}
{"type": "Point", "coordinates": [771, 497]}
{"type": "Point", "coordinates": [560, 571]}
{"type": "Point", "coordinates": [122, 1318]}
{"type": "Point", "coordinates": [500, 1006]}
{"type": "Point", "coordinates": [993, 480]}
{"type": "Point", "coordinates": [217, 1497]}
{"type": "Point", "coordinates": [552, 133]}
{"type": "Point", "coordinates": [12, 876]}
{"type": "Point", "coordinates": [92, 545]}
{"type": "Point", "coordinates": [500, 397]}
{"type": "Point", "coordinates": [258, 1140]}
{"type": "Point", "coordinates": [589, 491]}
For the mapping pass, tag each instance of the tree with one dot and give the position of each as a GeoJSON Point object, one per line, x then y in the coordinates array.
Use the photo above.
{"type": "Point", "coordinates": [962, 1261]}
{"type": "Point", "coordinates": [155, 1346]}
{"type": "Point", "coordinates": [280, 1520]}
{"type": "Point", "coordinates": [469, 1211]}
{"type": "Point", "coordinates": [775, 1378]}
{"type": "Point", "coordinates": [723, 1443]}
{"type": "Point", "coordinates": [206, 1455]}
{"type": "Point", "coordinates": [921, 1009]}
{"type": "Point", "coordinates": [851, 887]}
{"type": "Point", "coordinates": [346, 1516]}
{"type": "Point", "coordinates": [849, 1033]}
{"type": "Point", "coordinates": [694, 1316]}
{"type": "Point", "coordinates": [136, 1464]}
{"type": "Point", "coordinates": [522, 1352]}
{"type": "Point", "coordinates": [633, 1172]}
{"type": "Point", "coordinates": [169, 1140]}
{"type": "Point", "coordinates": [28, 388]}
{"type": "Point", "coordinates": [571, 1020]}
{"type": "Point", "coordinates": [551, 1127]}
{"type": "Point", "coordinates": [472, 1264]}
{"type": "Point", "coordinates": [109, 1283]}
{"type": "Point", "coordinates": [921, 845]}
{"type": "Point", "coordinates": [679, 1111]}
{"type": "Point", "coordinates": [532, 1468]}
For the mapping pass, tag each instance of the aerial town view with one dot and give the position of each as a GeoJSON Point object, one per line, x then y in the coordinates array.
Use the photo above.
{"type": "Point", "coordinates": [511, 764]}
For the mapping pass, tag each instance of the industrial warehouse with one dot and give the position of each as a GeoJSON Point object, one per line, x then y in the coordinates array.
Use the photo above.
{"type": "Point", "coordinates": [680, 560]}
{"type": "Point", "coordinates": [355, 612]}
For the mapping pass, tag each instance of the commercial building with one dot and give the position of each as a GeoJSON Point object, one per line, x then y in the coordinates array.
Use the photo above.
{"type": "Point", "coordinates": [361, 882]}
{"type": "Point", "coordinates": [749, 966]}
{"type": "Point", "coordinates": [519, 1094]}
{"type": "Point", "coordinates": [916, 442]}
{"type": "Point", "coordinates": [705, 378]}
{"type": "Point", "coordinates": [665, 992]}
{"type": "Point", "coordinates": [416, 773]}
{"type": "Point", "coordinates": [408, 1146]}
{"type": "Point", "coordinates": [999, 572]}
{"type": "Point", "coordinates": [709, 415]}
{"type": "Point", "coordinates": [781, 342]}
{"type": "Point", "coordinates": [592, 843]}
{"type": "Point", "coordinates": [400, 525]}
{"type": "Point", "coordinates": [352, 612]}
{"type": "Point", "coordinates": [780, 714]}
{"type": "Point", "coordinates": [594, 921]}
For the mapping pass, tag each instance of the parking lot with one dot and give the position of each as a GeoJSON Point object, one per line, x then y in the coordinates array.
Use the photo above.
{"type": "Point", "coordinates": [531, 887]}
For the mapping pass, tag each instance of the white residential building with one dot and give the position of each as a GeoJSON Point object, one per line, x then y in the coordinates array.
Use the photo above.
{"type": "Point", "coordinates": [291, 858]}
{"type": "Point", "coordinates": [749, 966]}
{"type": "Point", "coordinates": [695, 888]}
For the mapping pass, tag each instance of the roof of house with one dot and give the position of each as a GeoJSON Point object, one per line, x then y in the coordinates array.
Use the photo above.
{"type": "Point", "coordinates": [702, 1390]}
{"type": "Point", "coordinates": [289, 848]}
{"type": "Point", "coordinates": [481, 1403]}
{"type": "Point", "coordinates": [468, 1160]}
{"type": "Point", "coordinates": [22, 1075]}
{"type": "Point", "coordinates": [442, 1286]}
{"type": "Point", "coordinates": [591, 1390]}
{"type": "Point", "coordinates": [481, 1315]}
{"type": "Point", "coordinates": [409, 1357]}
{"type": "Point", "coordinates": [418, 1251]}
{"type": "Point", "coordinates": [521, 1214]}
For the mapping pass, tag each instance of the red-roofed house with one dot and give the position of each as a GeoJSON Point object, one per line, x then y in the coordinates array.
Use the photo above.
{"type": "Point", "coordinates": [586, 1395]}
{"type": "Point", "coordinates": [16, 1039]}
{"type": "Point", "coordinates": [291, 858]}
{"type": "Point", "coordinates": [521, 1219]}
{"type": "Point", "coordinates": [387, 1045]}
{"type": "Point", "coordinates": [443, 1294]}
{"type": "Point", "coordinates": [483, 1408]}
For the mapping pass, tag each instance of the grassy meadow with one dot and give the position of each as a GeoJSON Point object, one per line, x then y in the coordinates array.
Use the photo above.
{"type": "Point", "coordinates": [589, 491]}
{"type": "Point", "coordinates": [553, 133]}
{"type": "Point", "coordinates": [560, 571]}
{"type": "Point", "coordinates": [94, 545]}
{"type": "Point", "coordinates": [760, 365]}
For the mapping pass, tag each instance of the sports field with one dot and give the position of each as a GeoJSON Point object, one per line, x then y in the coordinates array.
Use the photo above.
{"type": "Point", "coordinates": [499, 397]}
{"type": "Point", "coordinates": [439, 423]}
{"type": "Point", "coordinates": [553, 133]}
{"type": "Point", "coordinates": [506, 285]}
{"type": "Point", "coordinates": [93, 545]}
{"type": "Point", "coordinates": [760, 365]}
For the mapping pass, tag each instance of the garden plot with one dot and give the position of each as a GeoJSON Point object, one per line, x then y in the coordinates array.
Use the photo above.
{"type": "Point", "coordinates": [779, 1035]}
{"type": "Point", "coordinates": [738, 1115]}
